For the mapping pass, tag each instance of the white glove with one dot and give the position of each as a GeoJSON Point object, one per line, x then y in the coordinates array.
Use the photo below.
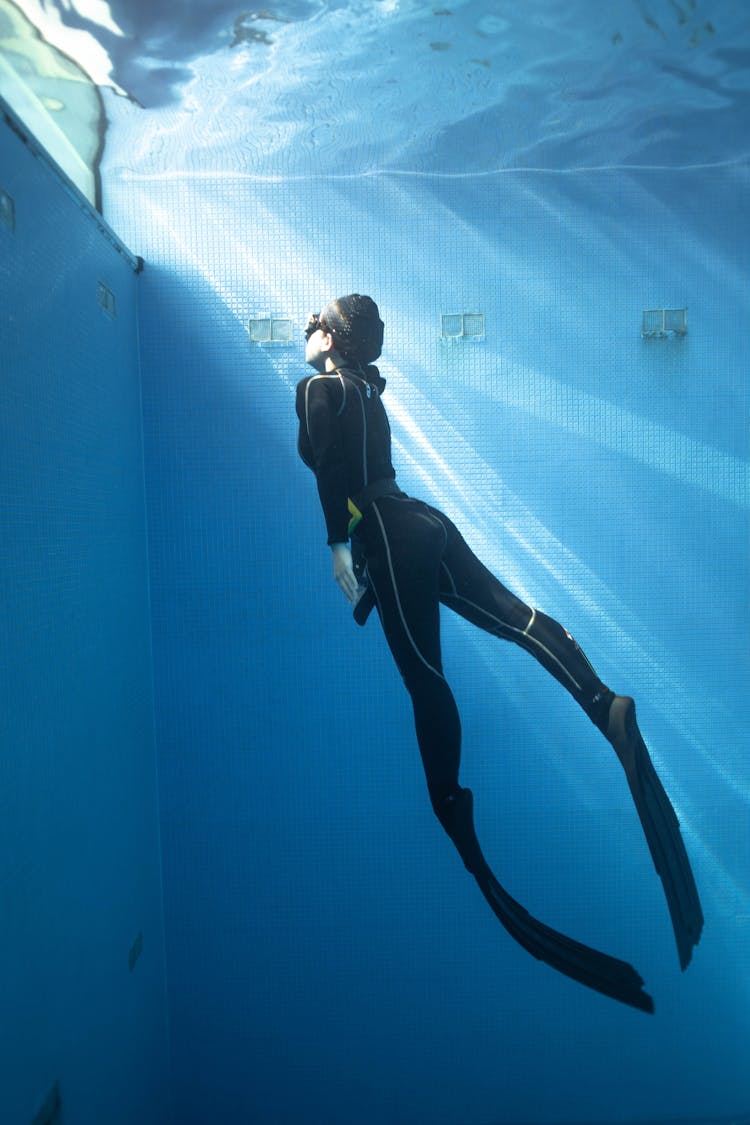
{"type": "Point", "coordinates": [343, 571]}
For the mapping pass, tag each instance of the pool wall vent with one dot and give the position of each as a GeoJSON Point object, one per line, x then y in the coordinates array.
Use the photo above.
{"type": "Point", "coordinates": [658, 323]}
{"type": "Point", "coordinates": [270, 330]}
{"type": "Point", "coordinates": [50, 1112]}
{"type": "Point", "coordinates": [462, 326]}
{"type": "Point", "coordinates": [7, 210]}
{"type": "Point", "coordinates": [106, 299]}
{"type": "Point", "coordinates": [136, 950]}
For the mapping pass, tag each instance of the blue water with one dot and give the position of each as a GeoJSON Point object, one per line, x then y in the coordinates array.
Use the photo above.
{"type": "Point", "coordinates": [559, 170]}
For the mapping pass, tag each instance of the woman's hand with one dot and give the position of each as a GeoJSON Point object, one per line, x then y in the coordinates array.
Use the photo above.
{"type": "Point", "coordinates": [343, 571]}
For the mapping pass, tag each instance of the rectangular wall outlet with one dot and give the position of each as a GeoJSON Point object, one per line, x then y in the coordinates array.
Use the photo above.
{"type": "Point", "coordinates": [106, 299]}
{"type": "Point", "coordinates": [49, 1114]}
{"type": "Point", "coordinates": [7, 210]}
{"type": "Point", "coordinates": [270, 330]}
{"type": "Point", "coordinates": [135, 951]}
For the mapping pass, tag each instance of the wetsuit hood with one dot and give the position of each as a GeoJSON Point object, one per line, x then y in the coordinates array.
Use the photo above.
{"type": "Point", "coordinates": [355, 324]}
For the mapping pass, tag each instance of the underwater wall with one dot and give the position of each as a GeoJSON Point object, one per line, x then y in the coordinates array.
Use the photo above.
{"type": "Point", "coordinates": [83, 1023]}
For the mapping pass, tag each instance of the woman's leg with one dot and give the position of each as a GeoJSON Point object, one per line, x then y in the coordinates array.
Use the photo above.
{"type": "Point", "coordinates": [469, 588]}
{"type": "Point", "coordinates": [407, 548]}
{"type": "Point", "coordinates": [404, 544]}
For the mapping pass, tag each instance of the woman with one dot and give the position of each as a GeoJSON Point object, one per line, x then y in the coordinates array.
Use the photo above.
{"type": "Point", "coordinates": [412, 558]}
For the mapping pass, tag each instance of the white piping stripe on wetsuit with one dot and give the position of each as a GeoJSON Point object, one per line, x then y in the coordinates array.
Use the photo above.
{"type": "Point", "coordinates": [450, 576]}
{"type": "Point", "coordinates": [365, 479]}
{"type": "Point", "coordinates": [339, 412]}
{"type": "Point", "coordinates": [511, 628]}
{"type": "Point", "coordinates": [310, 381]}
{"type": "Point", "coordinates": [445, 544]}
{"type": "Point", "coordinates": [412, 642]}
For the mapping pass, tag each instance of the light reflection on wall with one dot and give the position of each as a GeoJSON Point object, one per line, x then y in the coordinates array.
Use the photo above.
{"type": "Point", "coordinates": [55, 99]}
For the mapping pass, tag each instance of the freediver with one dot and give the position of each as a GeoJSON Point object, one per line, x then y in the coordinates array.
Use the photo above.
{"type": "Point", "coordinates": [407, 557]}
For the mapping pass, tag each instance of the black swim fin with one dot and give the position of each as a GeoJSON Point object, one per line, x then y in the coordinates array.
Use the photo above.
{"type": "Point", "coordinates": [660, 825]}
{"type": "Point", "coordinates": [596, 970]}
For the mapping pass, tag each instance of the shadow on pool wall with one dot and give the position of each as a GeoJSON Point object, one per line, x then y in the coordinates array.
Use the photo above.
{"type": "Point", "coordinates": [83, 978]}
{"type": "Point", "coordinates": [321, 933]}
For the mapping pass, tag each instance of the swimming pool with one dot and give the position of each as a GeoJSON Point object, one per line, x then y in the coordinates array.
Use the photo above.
{"type": "Point", "coordinates": [515, 188]}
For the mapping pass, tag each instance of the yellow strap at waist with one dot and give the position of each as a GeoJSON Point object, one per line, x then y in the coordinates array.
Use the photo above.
{"type": "Point", "coordinates": [386, 486]}
{"type": "Point", "coordinates": [356, 515]}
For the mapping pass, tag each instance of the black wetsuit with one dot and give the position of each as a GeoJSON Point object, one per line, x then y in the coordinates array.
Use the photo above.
{"type": "Point", "coordinates": [416, 558]}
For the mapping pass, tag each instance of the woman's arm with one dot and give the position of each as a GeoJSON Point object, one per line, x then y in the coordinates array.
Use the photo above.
{"type": "Point", "coordinates": [321, 448]}
{"type": "Point", "coordinates": [343, 571]}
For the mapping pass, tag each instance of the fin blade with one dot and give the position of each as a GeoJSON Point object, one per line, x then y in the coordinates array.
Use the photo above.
{"type": "Point", "coordinates": [608, 975]}
{"type": "Point", "coordinates": [664, 838]}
